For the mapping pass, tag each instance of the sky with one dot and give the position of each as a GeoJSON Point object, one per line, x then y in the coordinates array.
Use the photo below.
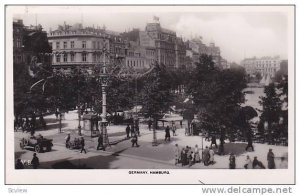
{"type": "Point", "coordinates": [239, 33]}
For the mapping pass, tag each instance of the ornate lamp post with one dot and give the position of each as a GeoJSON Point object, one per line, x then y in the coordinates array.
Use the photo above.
{"type": "Point", "coordinates": [104, 79]}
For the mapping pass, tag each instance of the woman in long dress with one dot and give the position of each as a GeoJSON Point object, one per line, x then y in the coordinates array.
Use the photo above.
{"type": "Point", "coordinates": [197, 154]}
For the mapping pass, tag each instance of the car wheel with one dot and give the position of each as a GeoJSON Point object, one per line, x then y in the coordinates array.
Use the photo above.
{"type": "Point", "coordinates": [37, 149]}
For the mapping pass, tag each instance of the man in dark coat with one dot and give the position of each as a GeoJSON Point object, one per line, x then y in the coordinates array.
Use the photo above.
{"type": "Point", "coordinates": [167, 136]}
{"type": "Point", "coordinates": [270, 158]}
{"type": "Point", "coordinates": [100, 142]}
{"type": "Point", "coordinates": [231, 161]}
{"type": "Point", "coordinates": [82, 143]}
{"type": "Point", "coordinates": [35, 161]}
{"type": "Point", "coordinates": [250, 143]}
{"type": "Point", "coordinates": [127, 131]}
{"type": "Point", "coordinates": [213, 141]}
{"type": "Point", "coordinates": [134, 141]}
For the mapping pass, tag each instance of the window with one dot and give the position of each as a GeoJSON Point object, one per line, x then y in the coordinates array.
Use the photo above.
{"type": "Point", "coordinates": [94, 57]}
{"type": "Point", "coordinates": [50, 44]}
{"type": "Point", "coordinates": [94, 45]}
{"type": "Point", "coordinates": [58, 58]}
{"type": "Point", "coordinates": [65, 57]}
{"type": "Point", "coordinates": [72, 44]}
{"type": "Point", "coordinates": [57, 45]}
{"type": "Point", "coordinates": [65, 44]}
{"type": "Point", "coordinates": [19, 42]}
{"type": "Point", "coordinates": [84, 57]}
{"type": "Point", "coordinates": [83, 44]}
{"type": "Point", "coordinates": [72, 57]}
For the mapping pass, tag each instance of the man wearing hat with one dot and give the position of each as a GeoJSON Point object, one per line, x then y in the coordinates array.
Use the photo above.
{"type": "Point", "coordinates": [270, 158]}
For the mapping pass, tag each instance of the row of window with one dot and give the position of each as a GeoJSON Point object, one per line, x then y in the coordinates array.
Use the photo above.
{"type": "Point", "coordinates": [133, 63]}
{"type": "Point", "coordinates": [64, 57]}
{"type": "Point", "coordinates": [71, 44]}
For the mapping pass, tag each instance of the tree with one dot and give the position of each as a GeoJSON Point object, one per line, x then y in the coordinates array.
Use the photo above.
{"type": "Point", "coordinates": [218, 97]}
{"type": "Point", "coordinates": [271, 111]}
{"type": "Point", "coordinates": [156, 96]}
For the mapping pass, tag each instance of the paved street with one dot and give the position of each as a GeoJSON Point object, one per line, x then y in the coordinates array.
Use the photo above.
{"type": "Point", "coordinates": [122, 155]}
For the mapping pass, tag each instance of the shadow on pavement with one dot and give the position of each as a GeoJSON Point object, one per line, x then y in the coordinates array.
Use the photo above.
{"type": "Point", "coordinates": [19, 154]}
{"type": "Point", "coordinates": [235, 148]}
{"type": "Point", "coordinates": [95, 162]}
{"type": "Point", "coordinates": [54, 126]}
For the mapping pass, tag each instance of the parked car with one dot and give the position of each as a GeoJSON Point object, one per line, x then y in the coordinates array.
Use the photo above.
{"type": "Point", "coordinates": [39, 143]}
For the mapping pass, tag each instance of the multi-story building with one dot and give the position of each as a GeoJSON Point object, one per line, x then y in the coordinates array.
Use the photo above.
{"type": "Point", "coordinates": [139, 58]}
{"type": "Point", "coordinates": [29, 41]}
{"type": "Point", "coordinates": [266, 66]}
{"type": "Point", "coordinates": [77, 46]}
{"type": "Point", "coordinates": [197, 47]}
{"type": "Point", "coordinates": [164, 41]}
{"type": "Point", "coordinates": [180, 51]}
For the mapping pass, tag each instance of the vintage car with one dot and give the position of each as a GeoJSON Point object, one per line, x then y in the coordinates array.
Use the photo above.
{"type": "Point", "coordinates": [39, 144]}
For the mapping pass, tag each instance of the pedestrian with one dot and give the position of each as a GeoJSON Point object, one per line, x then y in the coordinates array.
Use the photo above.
{"type": "Point", "coordinates": [213, 141]}
{"type": "Point", "coordinates": [181, 124]}
{"type": "Point", "coordinates": [19, 164]}
{"type": "Point", "coordinates": [183, 157]}
{"type": "Point", "coordinates": [197, 154]}
{"type": "Point", "coordinates": [82, 143]}
{"type": "Point", "coordinates": [206, 156]}
{"type": "Point", "coordinates": [100, 142]}
{"type": "Point", "coordinates": [127, 131]}
{"type": "Point", "coordinates": [173, 128]}
{"type": "Point", "coordinates": [56, 114]}
{"type": "Point", "coordinates": [250, 143]}
{"type": "Point", "coordinates": [186, 132]}
{"type": "Point", "coordinates": [190, 158]}
{"type": "Point", "coordinates": [134, 141]}
{"type": "Point", "coordinates": [167, 135]}
{"type": "Point", "coordinates": [177, 154]}
{"type": "Point", "coordinates": [132, 132]}
{"type": "Point", "coordinates": [35, 161]}
{"type": "Point", "coordinates": [211, 156]}
{"type": "Point", "coordinates": [256, 164]}
{"type": "Point", "coordinates": [248, 163]}
{"type": "Point", "coordinates": [231, 161]}
{"type": "Point", "coordinates": [270, 158]}
{"type": "Point", "coordinates": [138, 130]}
{"type": "Point", "coordinates": [149, 125]}
{"type": "Point", "coordinates": [283, 163]}
{"type": "Point", "coordinates": [68, 138]}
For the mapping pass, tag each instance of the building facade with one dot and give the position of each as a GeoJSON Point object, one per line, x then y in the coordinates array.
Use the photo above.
{"type": "Point", "coordinates": [169, 49]}
{"type": "Point", "coordinates": [77, 46]}
{"type": "Point", "coordinates": [266, 66]}
{"type": "Point", "coordinates": [29, 42]}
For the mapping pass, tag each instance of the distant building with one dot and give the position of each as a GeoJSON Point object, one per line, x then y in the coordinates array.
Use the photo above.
{"type": "Point", "coordinates": [196, 47]}
{"type": "Point", "coordinates": [75, 46]}
{"type": "Point", "coordinates": [164, 41]}
{"type": "Point", "coordinates": [30, 41]}
{"type": "Point", "coordinates": [266, 66]}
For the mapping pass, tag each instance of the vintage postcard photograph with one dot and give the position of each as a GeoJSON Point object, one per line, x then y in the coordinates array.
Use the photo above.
{"type": "Point", "coordinates": [150, 94]}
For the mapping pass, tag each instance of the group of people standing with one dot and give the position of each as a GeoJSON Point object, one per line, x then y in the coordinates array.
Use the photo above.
{"type": "Point", "coordinates": [189, 156]}
{"type": "Point", "coordinates": [132, 130]}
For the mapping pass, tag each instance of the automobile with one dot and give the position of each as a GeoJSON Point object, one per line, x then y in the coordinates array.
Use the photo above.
{"type": "Point", "coordinates": [38, 144]}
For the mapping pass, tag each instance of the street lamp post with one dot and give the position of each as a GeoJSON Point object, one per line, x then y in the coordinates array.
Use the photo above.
{"type": "Point", "coordinates": [78, 103]}
{"type": "Point", "coordinates": [104, 77]}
